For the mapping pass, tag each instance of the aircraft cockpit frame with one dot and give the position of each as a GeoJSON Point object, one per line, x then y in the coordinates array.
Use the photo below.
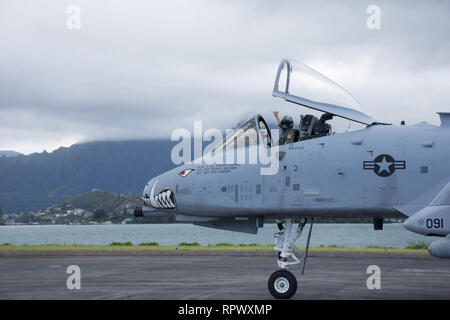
{"type": "Point", "coordinates": [252, 132]}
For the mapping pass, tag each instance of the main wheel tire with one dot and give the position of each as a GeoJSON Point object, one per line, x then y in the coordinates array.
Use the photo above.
{"type": "Point", "coordinates": [282, 284]}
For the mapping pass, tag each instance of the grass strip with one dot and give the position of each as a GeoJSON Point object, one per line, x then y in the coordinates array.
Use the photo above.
{"type": "Point", "coordinates": [193, 247]}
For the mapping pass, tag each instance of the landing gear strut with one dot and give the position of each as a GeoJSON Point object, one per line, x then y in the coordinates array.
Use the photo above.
{"type": "Point", "coordinates": [282, 284]}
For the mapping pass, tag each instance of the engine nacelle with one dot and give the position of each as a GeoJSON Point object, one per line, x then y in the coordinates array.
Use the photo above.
{"type": "Point", "coordinates": [433, 220]}
{"type": "Point", "coordinates": [430, 221]}
{"type": "Point", "coordinates": [440, 249]}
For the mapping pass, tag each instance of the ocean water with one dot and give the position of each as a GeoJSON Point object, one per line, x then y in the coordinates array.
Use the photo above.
{"type": "Point", "coordinates": [349, 235]}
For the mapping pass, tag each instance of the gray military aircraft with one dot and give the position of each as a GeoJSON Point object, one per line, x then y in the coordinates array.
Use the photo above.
{"type": "Point", "coordinates": [382, 171]}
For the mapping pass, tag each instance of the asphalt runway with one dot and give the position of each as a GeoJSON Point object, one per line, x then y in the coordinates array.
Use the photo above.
{"type": "Point", "coordinates": [216, 276]}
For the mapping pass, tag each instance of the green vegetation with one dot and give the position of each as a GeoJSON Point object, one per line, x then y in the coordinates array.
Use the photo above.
{"type": "Point", "coordinates": [373, 246]}
{"type": "Point", "coordinates": [92, 207]}
{"type": "Point", "coordinates": [226, 244]}
{"type": "Point", "coordinates": [128, 243]}
{"type": "Point", "coordinates": [106, 206]}
{"type": "Point", "coordinates": [67, 172]}
{"type": "Point", "coordinates": [223, 244]}
{"type": "Point", "coordinates": [413, 247]}
{"type": "Point", "coordinates": [100, 214]}
{"type": "Point", "coordinates": [418, 245]}
{"type": "Point", "coordinates": [188, 244]}
{"type": "Point", "coordinates": [118, 246]}
{"type": "Point", "coordinates": [148, 244]}
{"type": "Point", "coordinates": [334, 246]}
{"type": "Point", "coordinates": [95, 200]}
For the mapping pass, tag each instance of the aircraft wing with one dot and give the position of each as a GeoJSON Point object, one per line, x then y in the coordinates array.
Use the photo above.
{"type": "Point", "coordinates": [299, 84]}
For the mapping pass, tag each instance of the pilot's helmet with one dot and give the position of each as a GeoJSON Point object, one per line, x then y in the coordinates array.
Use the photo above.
{"type": "Point", "coordinates": [286, 123]}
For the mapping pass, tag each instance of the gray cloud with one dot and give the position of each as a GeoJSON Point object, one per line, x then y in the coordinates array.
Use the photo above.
{"type": "Point", "coordinates": [141, 69]}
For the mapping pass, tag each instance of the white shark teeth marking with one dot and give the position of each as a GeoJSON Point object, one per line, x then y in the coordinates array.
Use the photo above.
{"type": "Point", "coordinates": [160, 200]}
{"type": "Point", "coordinates": [169, 201]}
{"type": "Point", "coordinates": [165, 200]}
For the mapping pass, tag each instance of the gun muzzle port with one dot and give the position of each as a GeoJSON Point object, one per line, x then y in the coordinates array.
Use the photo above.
{"type": "Point", "coordinates": [138, 212]}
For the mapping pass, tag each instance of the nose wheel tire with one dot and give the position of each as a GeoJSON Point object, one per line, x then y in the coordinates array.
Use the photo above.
{"type": "Point", "coordinates": [282, 284]}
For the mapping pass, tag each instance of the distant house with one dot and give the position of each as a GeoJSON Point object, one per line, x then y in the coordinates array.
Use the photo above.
{"type": "Point", "coordinates": [78, 212]}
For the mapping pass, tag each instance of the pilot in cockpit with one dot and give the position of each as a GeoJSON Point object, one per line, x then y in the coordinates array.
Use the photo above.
{"type": "Point", "coordinates": [288, 133]}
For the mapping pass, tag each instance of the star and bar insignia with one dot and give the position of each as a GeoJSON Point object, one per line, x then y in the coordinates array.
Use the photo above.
{"type": "Point", "coordinates": [384, 165]}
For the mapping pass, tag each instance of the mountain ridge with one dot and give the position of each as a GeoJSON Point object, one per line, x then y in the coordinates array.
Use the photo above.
{"type": "Point", "coordinates": [40, 180]}
{"type": "Point", "coordinates": [9, 153]}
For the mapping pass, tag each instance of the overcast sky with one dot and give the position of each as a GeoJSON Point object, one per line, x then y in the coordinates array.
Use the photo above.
{"type": "Point", "coordinates": [139, 69]}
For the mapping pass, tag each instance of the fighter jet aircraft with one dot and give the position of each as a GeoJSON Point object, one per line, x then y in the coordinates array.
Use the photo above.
{"type": "Point", "coordinates": [382, 171]}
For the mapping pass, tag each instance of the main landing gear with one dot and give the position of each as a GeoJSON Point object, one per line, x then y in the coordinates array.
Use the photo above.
{"type": "Point", "coordinates": [282, 284]}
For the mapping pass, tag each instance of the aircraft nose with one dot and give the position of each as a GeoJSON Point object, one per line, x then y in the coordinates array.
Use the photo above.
{"type": "Point", "coordinates": [148, 186]}
{"type": "Point", "coordinates": [158, 193]}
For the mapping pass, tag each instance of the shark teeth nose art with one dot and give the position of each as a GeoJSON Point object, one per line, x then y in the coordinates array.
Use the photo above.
{"type": "Point", "coordinates": [165, 199]}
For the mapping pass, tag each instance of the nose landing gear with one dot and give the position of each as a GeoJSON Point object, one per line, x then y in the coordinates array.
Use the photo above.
{"type": "Point", "coordinates": [282, 284]}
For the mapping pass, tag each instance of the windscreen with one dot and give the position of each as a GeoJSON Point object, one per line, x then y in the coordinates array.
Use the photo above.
{"type": "Point", "coordinates": [246, 135]}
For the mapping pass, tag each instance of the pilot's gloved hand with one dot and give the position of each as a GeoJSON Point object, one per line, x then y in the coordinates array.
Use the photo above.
{"type": "Point", "coordinates": [275, 113]}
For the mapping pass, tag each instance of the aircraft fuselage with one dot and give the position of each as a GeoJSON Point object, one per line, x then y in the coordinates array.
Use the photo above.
{"type": "Point", "coordinates": [382, 171]}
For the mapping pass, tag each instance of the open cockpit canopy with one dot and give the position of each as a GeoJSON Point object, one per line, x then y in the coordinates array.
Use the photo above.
{"type": "Point", "coordinates": [297, 83]}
